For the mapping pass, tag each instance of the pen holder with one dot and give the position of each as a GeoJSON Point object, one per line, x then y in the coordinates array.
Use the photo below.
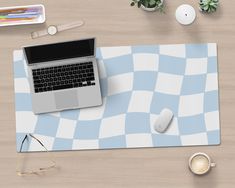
{"type": "Point", "coordinates": [22, 15]}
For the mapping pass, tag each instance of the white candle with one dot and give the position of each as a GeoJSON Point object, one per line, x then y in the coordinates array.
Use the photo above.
{"type": "Point", "coordinates": [185, 14]}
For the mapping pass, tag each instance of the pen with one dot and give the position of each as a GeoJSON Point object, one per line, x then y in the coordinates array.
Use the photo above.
{"type": "Point", "coordinates": [17, 10]}
{"type": "Point", "coordinates": [25, 13]}
{"type": "Point", "coordinates": [15, 19]}
{"type": "Point", "coordinates": [21, 16]}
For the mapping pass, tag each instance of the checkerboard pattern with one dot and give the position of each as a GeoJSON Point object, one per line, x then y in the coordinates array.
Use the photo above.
{"type": "Point", "coordinates": [137, 82]}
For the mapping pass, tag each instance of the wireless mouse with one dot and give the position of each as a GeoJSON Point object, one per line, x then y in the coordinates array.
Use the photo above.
{"type": "Point", "coordinates": [164, 120]}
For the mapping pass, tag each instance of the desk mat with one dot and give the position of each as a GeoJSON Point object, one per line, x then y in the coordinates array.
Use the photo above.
{"type": "Point", "coordinates": [137, 82]}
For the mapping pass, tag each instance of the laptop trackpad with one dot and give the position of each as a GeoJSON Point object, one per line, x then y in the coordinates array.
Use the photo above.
{"type": "Point", "coordinates": [66, 99]}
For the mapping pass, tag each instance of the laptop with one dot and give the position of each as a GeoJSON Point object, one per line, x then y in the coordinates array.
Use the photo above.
{"type": "Point", "coordinates": [63, 75]}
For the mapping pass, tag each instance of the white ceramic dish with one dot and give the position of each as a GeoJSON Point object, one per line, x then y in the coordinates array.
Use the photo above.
{"type": "Point", "coordinates": [41, 17]}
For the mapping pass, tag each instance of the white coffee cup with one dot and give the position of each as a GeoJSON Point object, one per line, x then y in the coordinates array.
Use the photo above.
{"type": "Point", "coordinates": [200, 163]}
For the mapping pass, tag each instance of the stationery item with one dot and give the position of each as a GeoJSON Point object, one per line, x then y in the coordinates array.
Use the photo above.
{"type": "Point", "coordinates": [53, 29]}
{"type": "Point", "coordinates": [200, 163]}
{"type": "Point", "coordinates": [137, 82]}
{"type": "Point", "coordinates": [63, 75]}
{"type": "Point", "coordinates": [164, 120]}
{"type": "Point", "coordinates": [21, 15]}
{"type": "Point", "coordinates": [185, 14]}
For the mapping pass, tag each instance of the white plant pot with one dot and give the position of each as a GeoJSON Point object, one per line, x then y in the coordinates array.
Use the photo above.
{"type": "Point", "coordinates": [151, 9]}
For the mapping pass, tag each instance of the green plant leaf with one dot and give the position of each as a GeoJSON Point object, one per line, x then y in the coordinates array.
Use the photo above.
{"type": "Point", "coordinates": [132, 4]}
{"type": "Point", "coordinates": [148, 4]}
{"type": "Point", "coordinates": [208, 5]}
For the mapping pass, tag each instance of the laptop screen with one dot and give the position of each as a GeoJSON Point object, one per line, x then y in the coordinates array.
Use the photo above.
{"type": "Point", "coordinates": [60, 51]}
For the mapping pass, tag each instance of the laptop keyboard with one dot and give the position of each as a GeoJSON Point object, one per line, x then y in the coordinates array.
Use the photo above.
{"type": "Point", "coordinates": [63, 77]}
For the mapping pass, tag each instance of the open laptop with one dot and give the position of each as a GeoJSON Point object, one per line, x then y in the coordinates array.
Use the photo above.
{"type": "Point", "coordinates": [63, 75]}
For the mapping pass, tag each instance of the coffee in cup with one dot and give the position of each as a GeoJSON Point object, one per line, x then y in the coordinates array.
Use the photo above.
{"type": "Point", "coordinates": [200, 163]}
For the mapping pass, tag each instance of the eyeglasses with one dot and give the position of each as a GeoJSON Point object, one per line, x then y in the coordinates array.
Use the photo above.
{"type": "Point", "coordinates": [40, 170]}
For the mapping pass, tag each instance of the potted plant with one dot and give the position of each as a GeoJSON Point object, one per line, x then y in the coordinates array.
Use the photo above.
{"type": "Point", "coordinates": [148, 5]}
{"type": "Point", "coordinates": [208, 6]}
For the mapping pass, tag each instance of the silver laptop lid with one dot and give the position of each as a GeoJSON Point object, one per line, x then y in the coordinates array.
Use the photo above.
{"type": "Point", "coordinates": [59, 51]}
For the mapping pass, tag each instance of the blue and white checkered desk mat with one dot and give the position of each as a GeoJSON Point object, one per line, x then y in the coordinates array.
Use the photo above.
{"type": "Point", "coordinates": [137, 82]}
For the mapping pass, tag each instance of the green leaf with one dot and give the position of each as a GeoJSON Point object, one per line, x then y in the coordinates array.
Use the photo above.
{"type": "Point", "coordinates": [148, 4]}
{"type": "Point", "coordinates": [132, 3]}
{"type": "Point", "coordinates": [209, 5]}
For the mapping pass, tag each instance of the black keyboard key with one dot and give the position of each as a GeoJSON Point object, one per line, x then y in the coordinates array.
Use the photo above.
{"type": "Point", "coordinates": [90, 75]}
{"type": "Point", "coordinates": [36, 82]}
{"type": "Point", "coordinates": [90, 78]}
{"type": "Point", "coordinates": [38, 85]}
{"type": "Point", "coordinates": [67, 86]}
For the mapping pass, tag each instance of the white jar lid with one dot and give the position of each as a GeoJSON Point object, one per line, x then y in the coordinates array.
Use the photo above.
{"type": "Point", "coordinates": [185, 14]}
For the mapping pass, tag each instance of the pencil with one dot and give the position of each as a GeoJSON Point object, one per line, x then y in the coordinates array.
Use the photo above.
{"type": "Point", "coordinates": [16, 10]}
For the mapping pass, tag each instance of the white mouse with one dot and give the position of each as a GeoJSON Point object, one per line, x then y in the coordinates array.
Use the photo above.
{"type": "Point", "coordinates": [164, 120]}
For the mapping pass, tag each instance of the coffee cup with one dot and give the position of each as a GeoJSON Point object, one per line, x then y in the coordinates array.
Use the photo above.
{"type": "Point", "coordinates": [200, 163]}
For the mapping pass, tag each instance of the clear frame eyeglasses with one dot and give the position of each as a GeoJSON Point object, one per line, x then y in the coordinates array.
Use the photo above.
{"type": "Point", "coordinates": [19, 170]}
